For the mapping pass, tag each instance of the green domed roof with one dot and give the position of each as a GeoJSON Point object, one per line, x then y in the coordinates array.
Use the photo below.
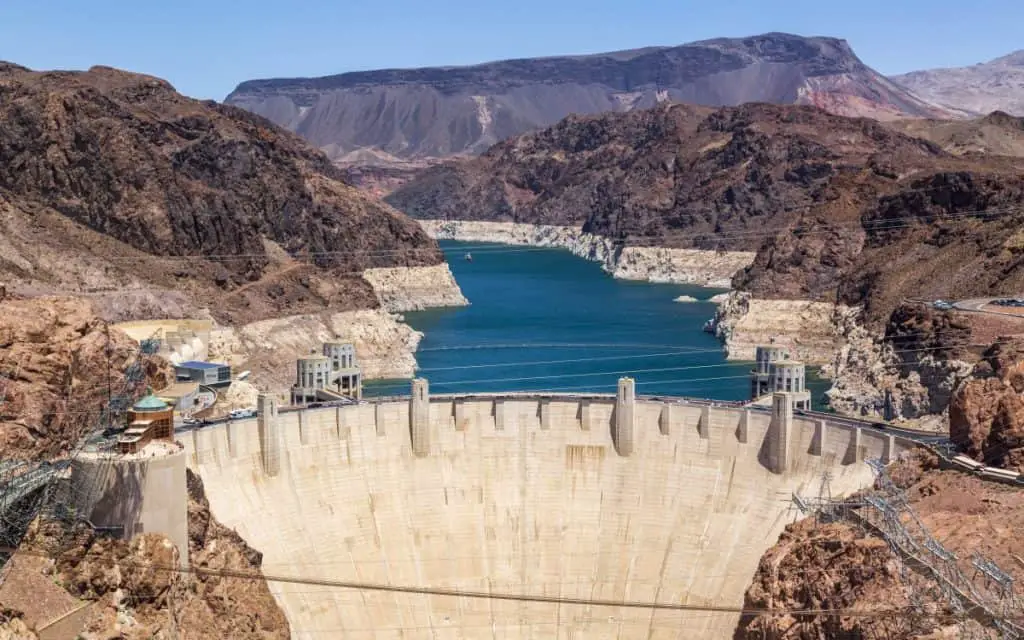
{"type": "Point", "coordinates": [150, 402]}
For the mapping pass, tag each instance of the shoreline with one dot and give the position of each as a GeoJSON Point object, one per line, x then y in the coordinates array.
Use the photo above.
{"type": "Point", "coordinates": [711, 269]}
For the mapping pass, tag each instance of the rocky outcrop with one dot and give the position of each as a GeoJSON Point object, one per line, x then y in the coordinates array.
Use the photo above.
{"type": "Point", "coordinates": [415, 288]}
{"type": "Point", "coordinates": [827, 566]}
{"type": "Point", "coordinates": [113, 181]}
{"type": "Point", "coordinates": [834, 565]}
{"type": "Point", "coordinates": [996, 133]}
{"type": "Point", "coordinates": [986, 416]}
{"type": "Point", "coordinates": [809, 330]}
{"type": "Point", "coordinates": [654, 264]}
{"type": "Point", "coordinates": [451, 110]}
{"type": "Point", "coordinates": [909, 372]}
{"type": "Point", "coordinates": [137, 594]}
{"type": "Point", "coordinates": [385, 347]}
{"type": "Point", "coordinates": [56, 359]}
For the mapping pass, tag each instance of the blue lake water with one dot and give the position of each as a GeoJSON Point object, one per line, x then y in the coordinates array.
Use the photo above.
{"type": "Point", "coordinates": [545, 320]}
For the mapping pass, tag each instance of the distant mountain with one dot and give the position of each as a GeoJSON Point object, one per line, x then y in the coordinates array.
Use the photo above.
{"type": "Point", "coordinates": [434, 112]}
{"type": "Point", "coordinates": [981, 88]}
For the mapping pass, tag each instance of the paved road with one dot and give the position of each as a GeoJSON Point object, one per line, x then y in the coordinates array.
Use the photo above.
{"type": "Point", "coordinates": [978, 304]}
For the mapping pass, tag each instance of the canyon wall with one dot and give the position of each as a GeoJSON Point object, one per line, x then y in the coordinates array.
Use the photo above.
{"type": "Point", "coordinates": [654, 264]}
{"type": "Point", "coordinates": [901, 373]}
{"type": "Point", "coordinates": [810, 330]}
{"type": "Point", "coordinates": [384, 345]}
{"type": "Point", "coordinates": [415, 288]}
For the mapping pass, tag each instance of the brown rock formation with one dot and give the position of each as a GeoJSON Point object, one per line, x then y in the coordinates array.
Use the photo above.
{"type": "Point", "coordinates": [838, 566]}
{"type": "Point", "coordinates": [831, 566]}
{"type": "Point", "coordinates": [112, 180]}
{"type": "Point", "coordinates": [986, 415]}
{"type": "Point", "coordinates": [839, 209]}
{"type": "Point", "coordinates": [136, 594]}
{"type": "Point", "coordinates": [55, 355]}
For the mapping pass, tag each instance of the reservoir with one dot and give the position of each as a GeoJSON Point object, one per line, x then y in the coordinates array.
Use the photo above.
{"type": "Point", "coordinates": [543, 319]}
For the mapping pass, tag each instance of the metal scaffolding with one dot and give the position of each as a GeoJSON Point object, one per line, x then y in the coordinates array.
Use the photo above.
{"type": "Point", "coordinates": [28, 489]}
{"type": "Point", "coordinates": [988, 598]}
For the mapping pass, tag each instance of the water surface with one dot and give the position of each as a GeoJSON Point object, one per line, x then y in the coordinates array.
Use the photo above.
{"type": "Point", "coordinates": [545, 320]}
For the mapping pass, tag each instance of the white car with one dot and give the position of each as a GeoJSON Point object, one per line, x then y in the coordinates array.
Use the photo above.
{"type": "Point", "coordinates": [242, 413]}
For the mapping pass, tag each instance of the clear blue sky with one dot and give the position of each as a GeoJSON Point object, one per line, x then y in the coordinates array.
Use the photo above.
{"type": "Point", "coordinates": [207, 47]}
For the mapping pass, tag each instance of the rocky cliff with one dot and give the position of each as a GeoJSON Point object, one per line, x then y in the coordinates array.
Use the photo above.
{"type": "Point", "coordinates": [997, 133]}
{"type": "Point", "coordinates": [56, 359]}
{"type": "Point", "coordinates": [835, 565]}
{"type": "Point", "coordinates": [385, 347]}
{"type": "Point", "coordinates": [979, 88]}
{"type": "Point", "coordinates": [450, 110]}
{"type": "Point", "coordinates": [113, 181]}
{"type": "Point", "coordinates": [136, 593]}
{"type": "Point", "coordinates": [415, 288]}
{"type": "Point", "coordinates": [986, 416]}
{"type": "Point", "coordinates": [811, 331]}
{"type": "Point", "coordinates": [677, 175]}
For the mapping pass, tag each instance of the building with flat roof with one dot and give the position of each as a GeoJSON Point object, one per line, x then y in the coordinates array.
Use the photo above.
{"type": "Point", "coordinates": [775, 372]}
{"type": "Point", "coordinates": [213, 374]}
{"type": "Point", "coordinates": [183, 396]}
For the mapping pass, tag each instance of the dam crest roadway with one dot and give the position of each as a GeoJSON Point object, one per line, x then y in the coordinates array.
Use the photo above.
{"type": "Point", "coordinates": [565, 496]}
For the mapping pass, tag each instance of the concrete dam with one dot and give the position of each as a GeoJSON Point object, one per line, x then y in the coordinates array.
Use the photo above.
{"type": "Point", "coordinates": [578, 497]}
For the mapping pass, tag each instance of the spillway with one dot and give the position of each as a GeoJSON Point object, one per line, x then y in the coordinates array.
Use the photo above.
{"type": "Point", "coordinates": [519, 494]}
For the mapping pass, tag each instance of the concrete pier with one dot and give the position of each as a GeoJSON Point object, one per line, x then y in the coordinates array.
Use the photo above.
{"type": "Point", "coordinates": [270, 437]}
{"type": "Point", "coordinates": [419, 417]}
{"type": "Point", "coordinates": [625, 414]}
{"type": "Point", "coordinates": [129, 495]}
{"type": "Point", "coordinates": [780, 433]}
{"type": "Point", "coordinates": [818, 443]}
{"type": "Point", "coordinates": [704, 426]}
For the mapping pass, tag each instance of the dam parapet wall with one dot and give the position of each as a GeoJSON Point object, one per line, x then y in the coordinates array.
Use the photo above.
{"type": "Point", "coordinates": [422, 423]}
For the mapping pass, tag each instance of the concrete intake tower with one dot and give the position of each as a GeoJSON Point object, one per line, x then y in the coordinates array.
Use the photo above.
{"type": "Point", "coordinates": [581, 497]}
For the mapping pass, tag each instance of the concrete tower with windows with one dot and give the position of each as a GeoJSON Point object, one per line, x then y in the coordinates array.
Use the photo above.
{"type": "Point", "coordinates": [333, 376]}
{"type": "Point", "coordinates": [775, 372]}
{"type": "Point", "coordinates": [346, 376]}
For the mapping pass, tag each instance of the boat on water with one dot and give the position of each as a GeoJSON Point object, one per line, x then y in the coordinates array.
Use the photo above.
{"type": "Point", "coordinates": [469, 257]}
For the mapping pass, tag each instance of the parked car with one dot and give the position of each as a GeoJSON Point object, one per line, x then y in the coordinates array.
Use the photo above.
{"type": "Point", "coordinates": [242, 413]}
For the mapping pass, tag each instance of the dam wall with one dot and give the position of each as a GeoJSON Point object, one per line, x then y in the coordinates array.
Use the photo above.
{"type": "Point", "coordinates": [586, 497]}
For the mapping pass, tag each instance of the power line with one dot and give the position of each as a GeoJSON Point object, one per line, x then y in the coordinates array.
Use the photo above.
{"type": "Point", "coordinates": [511, 363]}
{"type": "Point", "coordinates": [483, 595]}
{"type": "Point", "coordinates": [880, 224]}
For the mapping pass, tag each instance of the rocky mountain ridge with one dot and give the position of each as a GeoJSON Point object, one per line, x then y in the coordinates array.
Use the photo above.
{"type": "Point", "coordinates": [996, 85]}
{"type": "Point", "coordinates": [113, 181]}
{"type": "Point", "coordinates": [830, 203]}
{"type": "Point", "coordinates": [379, 116]}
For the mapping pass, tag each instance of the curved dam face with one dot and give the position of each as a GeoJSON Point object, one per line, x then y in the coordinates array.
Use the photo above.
{"type": "Point", "coordinates": [519, 494]}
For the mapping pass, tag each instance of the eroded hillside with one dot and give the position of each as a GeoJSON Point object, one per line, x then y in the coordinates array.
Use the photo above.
{"type": "Point", "coordinates": [113, 181]}
{"type": "Point", "coordinates": [57, 359]}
